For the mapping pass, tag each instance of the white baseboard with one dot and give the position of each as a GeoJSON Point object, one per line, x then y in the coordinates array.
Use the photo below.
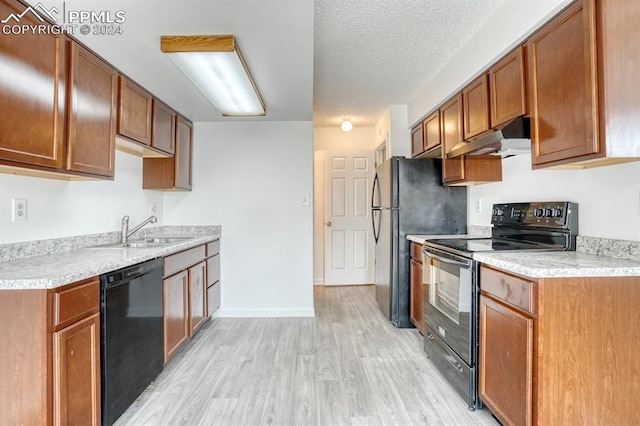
{"type": "Point", "coordinates": [264, 313]}
{"type": "Point", "coordinates": [318, 281]}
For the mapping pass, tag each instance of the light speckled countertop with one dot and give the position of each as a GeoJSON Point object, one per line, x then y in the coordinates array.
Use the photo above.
{"type": "Point", "coordinates": [60, 268]}
{"type": "Point", "coordinates": [560, 264]}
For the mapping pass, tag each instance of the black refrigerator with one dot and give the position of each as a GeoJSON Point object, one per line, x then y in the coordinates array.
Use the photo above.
{"type": "Point", "coordinates": [408, 198]}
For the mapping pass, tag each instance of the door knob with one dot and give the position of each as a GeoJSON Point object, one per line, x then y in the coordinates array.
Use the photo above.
{"type": "Point", "coordinates": [329, 223]}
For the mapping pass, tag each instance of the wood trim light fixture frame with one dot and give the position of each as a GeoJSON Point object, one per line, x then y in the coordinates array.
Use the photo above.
{"type": "Point", "coordinates": [216, 67]}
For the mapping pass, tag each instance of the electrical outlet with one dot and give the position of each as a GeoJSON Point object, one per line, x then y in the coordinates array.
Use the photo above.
{"type": "Point", "coordinates": [153, 208]}
{"type": "Point", "coordinates": [477, 205]}
{"type": "Point", "coordinates": [19, 209]}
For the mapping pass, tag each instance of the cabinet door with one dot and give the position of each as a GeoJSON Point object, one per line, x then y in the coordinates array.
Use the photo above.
{"type": "Point", "coordinates": [163, 136]}
{"type": "Point", "coordinates": [76, 373]}
{"type": "Point", "coordinates": [197, 297]}
{"type": "Point", "coordinates": [563, 87]}
{"type": "Point", "coordinates": [175, 292]}
{"type": "Point", "coordinates": [134, 112]}
{"type": "Point", "coordinates": [183, 154]}
{"type": "Point", "coordinates": [507, 88]}
{"type": "Point", "coordinates": [451, 128]}
{"type": "Point", "coordinates": [415, 295]}
{"type": "Point", "coordinates": [432, 136]}
{"type": "Point", "coordinates": [417, 140]}
{"type": "Point", "coordinates": [92, 114]}
{"type": "Point", "coordinates": [32, 94]}
{"type": "Point", "coordinates": [475, 101]}
{"type": "Point", "coordinates": [506, 362]}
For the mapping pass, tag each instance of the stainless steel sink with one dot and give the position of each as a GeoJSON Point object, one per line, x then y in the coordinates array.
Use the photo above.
{"type": "Point", "coordinates": [146, 243]}
{"type": "Point", "coordinates": [163, 240]}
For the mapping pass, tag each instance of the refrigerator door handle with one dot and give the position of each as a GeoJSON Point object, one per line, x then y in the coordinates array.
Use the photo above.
{"type": "Point", "coordinates": [376, 232]}
{"type": "Point", "coordinates": [373, 191]}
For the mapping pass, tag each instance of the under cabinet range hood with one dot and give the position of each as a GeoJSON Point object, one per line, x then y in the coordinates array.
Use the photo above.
{"type": "Point", "coordinates": [512, 139]}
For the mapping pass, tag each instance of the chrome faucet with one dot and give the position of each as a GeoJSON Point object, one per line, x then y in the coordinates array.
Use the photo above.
{"type": "Point", "coordinates": [124, 231]}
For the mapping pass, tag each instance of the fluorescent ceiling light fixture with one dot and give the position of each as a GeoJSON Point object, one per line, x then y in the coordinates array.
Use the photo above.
{"type": "Point", "coordinates": [215, 65]}
{"type": "Point", "coordinates": [346, 125]}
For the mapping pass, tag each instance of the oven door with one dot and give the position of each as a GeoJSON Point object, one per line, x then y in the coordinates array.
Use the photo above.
{"type": "Point", "coordinates": [449, 297]}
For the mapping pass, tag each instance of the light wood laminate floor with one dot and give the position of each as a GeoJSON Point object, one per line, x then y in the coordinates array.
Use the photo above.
{"type": "Point", "coordinates": [346, 366]}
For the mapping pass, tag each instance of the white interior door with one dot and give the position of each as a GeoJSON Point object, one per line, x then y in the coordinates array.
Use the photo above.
{"type": "Point", "coordinates": [349, 248]}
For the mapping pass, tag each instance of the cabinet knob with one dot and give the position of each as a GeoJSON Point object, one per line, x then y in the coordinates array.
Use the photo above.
{"type": "Point", "coordinates": [329, 223]}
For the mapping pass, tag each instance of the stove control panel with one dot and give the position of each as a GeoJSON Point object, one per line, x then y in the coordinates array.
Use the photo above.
{"type": "Point", "coordinates": [548, 214]}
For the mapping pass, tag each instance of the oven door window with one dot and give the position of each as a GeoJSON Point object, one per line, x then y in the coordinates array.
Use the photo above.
{"type": "Point", "coordinates": [450, 289]}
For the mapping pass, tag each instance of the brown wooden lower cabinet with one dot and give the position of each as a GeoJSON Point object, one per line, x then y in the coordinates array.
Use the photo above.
{"type": "Point", "coordinates": [185, 296]}
{"type": "Point", "coordinates": [175, 290]}
{"type": "Point", "coordinates": [415, 287]}
{"type": "Point", "coordinates": [50, 355]}
{"type": "Point", "coordinates": [506, 375]}
{"type": "Point", "coordinates": [197, 297]}
{"type": "Point", "coordinates": [213, 277]}
{"type": "Point", "coordinates": [76, 373]}
{"type": "Point", "coordinates": [559, 351]}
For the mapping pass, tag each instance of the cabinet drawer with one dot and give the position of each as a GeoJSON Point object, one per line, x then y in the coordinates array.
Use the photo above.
{"type": "Point", "coordinates": [213, 248]}
{"type": "Point", "coordinates": [213, 269]}
{"type": "Point", "coordinates": [416, 252]}
{"type": "Point", "coordinates": [513, 290]}
{"type": "Point", "coordinates": [71, 304]}
{"type": "Point", "coordinates": [183, 260]}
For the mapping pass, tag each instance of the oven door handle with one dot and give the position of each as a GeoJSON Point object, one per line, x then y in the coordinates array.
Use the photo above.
{"type": "Point", "coordinates": [446, 260]}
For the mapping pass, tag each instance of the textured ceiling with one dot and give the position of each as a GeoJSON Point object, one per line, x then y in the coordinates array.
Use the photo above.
{"type": "Point", "coordinates": [375, 53]}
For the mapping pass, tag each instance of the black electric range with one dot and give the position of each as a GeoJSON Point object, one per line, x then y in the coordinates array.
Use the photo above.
{"type": "Point", "coordinates": [451, 282]}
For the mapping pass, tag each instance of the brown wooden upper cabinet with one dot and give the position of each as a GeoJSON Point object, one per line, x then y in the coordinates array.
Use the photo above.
{"type": "Point", "coordinates": [582, 100]}
{"type": "Point", "coordinates": [507, 88]}
{"type": "Point", "coordinates": [467, 169]}
{"type": "Point", "coordinates": [497, 97]}
{"type": "Point", "coordinates": [426, 137]}
{"type": "Point", "coordinates": [451, 127]}
{"type": "Point", "coordinates": [417, 140]}
{"type": "Point", "coordinates": [563, 85]}
{"type": "Point", "coordinates": [32, 122]}
{"type": "Point", "coordinates": [92, 114]}
{"type": "Point", "coordinates": [135, 112]}
{"type": "Point", "coordinates": [163, 136]}
{"type": "Point", "coordinates": [59, 104]}
{"type": "Point", "coordinates": [432, 133]}
{"type": "Point", "coordinates": [172, 174]}
{"type": "Point", "coordinates": [475, 100]}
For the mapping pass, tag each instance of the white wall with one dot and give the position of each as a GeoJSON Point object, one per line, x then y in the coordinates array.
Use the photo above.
{"type": "Point", "coordinates": [57, 208]}
{"type": "Point", "coordinates": [331, 138]}
{"type": "Point", "coordinates": [251, 179]}
{"type": "Point", "coordinates": [505, 29]}
{"type": "Point", "coordinates": [608, 197]}
{"type": "Point", "coordinates": [393, 127]}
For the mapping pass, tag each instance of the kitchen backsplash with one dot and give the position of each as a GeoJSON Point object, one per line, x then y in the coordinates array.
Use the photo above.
{"type": "Point", "coordinates": [607, 247]}
{"type": "Point", "coordinates": [24, 249]}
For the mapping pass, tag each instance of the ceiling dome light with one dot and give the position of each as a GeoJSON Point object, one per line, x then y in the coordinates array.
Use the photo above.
{"type": "Point", "coordinates": [346, 125]}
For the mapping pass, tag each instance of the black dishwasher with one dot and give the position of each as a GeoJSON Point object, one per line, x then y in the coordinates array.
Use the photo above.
{"type": "Point", "coordinates": [130, 334]}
